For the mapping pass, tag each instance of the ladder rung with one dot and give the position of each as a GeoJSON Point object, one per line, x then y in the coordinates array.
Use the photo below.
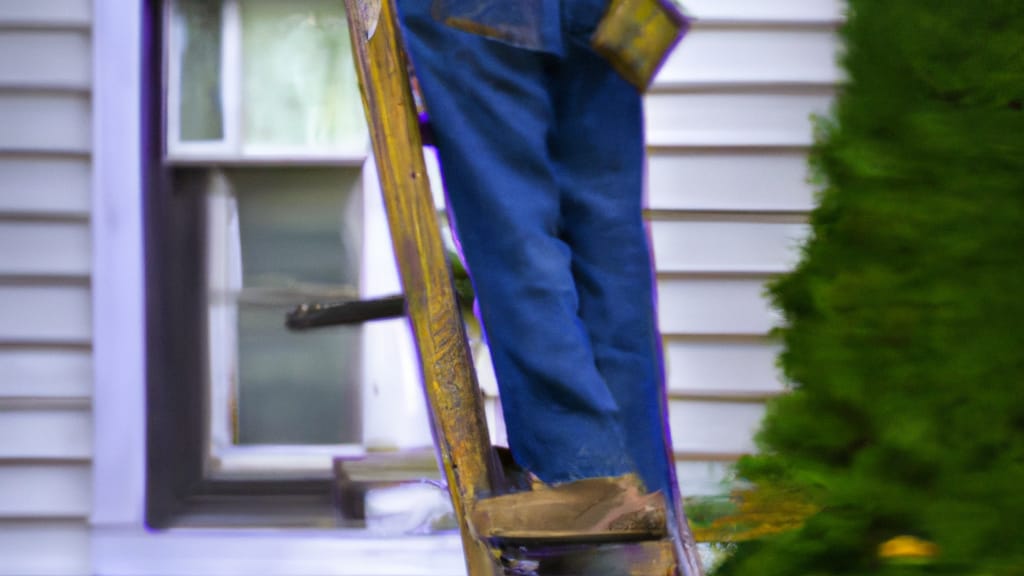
{"type": "Point", "coordinates": [652, 558]}
{"type": "Point", "coordinates": [550, 537]}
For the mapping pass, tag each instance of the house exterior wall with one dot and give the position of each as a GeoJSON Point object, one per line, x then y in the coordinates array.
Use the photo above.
{"type": "Point", "coordinates": [728, 134]}
{"type": "Point", "coordinates": [45, 269]}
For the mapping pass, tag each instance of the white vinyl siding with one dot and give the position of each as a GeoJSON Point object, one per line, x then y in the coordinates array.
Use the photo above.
{"type": "Point", "coordinates": [46, 14]}
{"type": "Point", "coordinates": [731, 118]}
{"type": "Point", "coordinates": [798, 54]}
{"type": "Point", "coordinates": [726, 425]}
{"type": "Point", "coordinates": [45, 247]}
{"type": "Point", "coordinates": [45, 122]}
{"type": "Point", "coordinates": [45, 312]}
{"type": "Point", "coordinates": [703, 365]}
{"type": "Point", "coordinates": [39, 490]}
{"type": "Point", "coordinates": [45, 373]}
{"type": "Point", "coordinates": [730, 179]}
{"type": "Point", "coordinates": [729, 128]}
{"type": "Point", "coordinates": [729, 133]}
{"type": "Point", "coordinates": [44, 547]}
{"type": "Point", "coordinates": [811, 12]}
{"type": "Point", "coordinates": [46, 430]}
{"type": "Point", "coordinates": [714, 243]}
{"type": "Point", "coordinates": [66, 54]}
{"type": "Point", "coordinates": [699, 305]}
{"type": "Point", "coordinates": [42, 185]}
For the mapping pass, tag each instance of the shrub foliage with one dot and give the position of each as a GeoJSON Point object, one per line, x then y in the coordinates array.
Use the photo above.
{"type": "Point", "coordinates": [904, 320]}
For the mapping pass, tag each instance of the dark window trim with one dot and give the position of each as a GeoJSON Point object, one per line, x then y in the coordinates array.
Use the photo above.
{"type": "Point", "coordinates": [178, 491]}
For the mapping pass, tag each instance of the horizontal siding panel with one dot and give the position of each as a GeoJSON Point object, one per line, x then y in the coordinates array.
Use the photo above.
{"type": "Point", "coordinates": [714, 306]}
{"type": "Point", "coordinates": [44, 548]}
{"type": "Point", "coordinates": [759, 10]}
{"type": "Point", "coordinates": [44, 248]}
{"type": "Point", "coordinates": [734, 118]}
{"type": "Point", "coordinates": [45, 12]}
{"type": "Point", "coordinates": [57, 186]}
{"type": "Point", "coordinates": [741, 55]}
{"type": "Point", "coordinates": [45, 122]}
{"type": "Point", "coordinates": [45, 313]}
{"type": "Point", "coordinates": [724, 246]}
{"type": "Point", "coordinates": [46, 491]}
{"type": "Point", "coordinates": [45, 185]}
{"type": "Point", "coordinates": [45, 373]}
{"type": "Point", "coordinates": [722, 366]}
{"type": "Point", "coordinates": [729, 180]}
{"type": "Point", "coordinates": [703, 478]}
{"type": "Point", "coordinates": [46, 58]}
{"type": "Point", "coordinates": [715, 427]}
{"type": "Point", "coordinates": [45, 434]}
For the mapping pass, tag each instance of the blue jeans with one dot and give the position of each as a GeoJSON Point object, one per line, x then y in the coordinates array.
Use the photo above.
{"type": "Point", "coordinates": [543, 159]}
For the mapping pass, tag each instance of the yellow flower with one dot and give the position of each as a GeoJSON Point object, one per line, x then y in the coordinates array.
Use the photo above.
{"type": "Point", "coordinates": [907, 547]}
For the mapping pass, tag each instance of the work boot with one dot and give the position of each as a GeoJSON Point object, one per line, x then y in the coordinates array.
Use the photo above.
{"type": "Point", "coordinates": [590, 510]}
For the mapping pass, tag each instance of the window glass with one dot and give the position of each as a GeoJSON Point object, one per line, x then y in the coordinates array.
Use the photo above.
{"type": "Point", "coordinates": [196, 26]}
{"type": "Point", "coordinates": [299, 83]}
{"type": "Point", "coordinates": [285, 236]}
{"type": "Point", "coordinates": [262, 77]}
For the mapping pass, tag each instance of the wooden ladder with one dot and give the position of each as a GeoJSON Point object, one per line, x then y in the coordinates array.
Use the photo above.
{"type": "Point", "coordinates": [456, 409]}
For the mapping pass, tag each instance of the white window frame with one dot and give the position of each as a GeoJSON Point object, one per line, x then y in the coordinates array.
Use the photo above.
{"type": "Point", "coordinates": [382, 384]}
{"type": "Point", "coordinates": [230, 89]}
{"type": "Point", "coordinates": [121, 544]}
{"type": "Point", "coordinates": [232, 149]}
{"type": "Point", "coordinates": [224, 458]}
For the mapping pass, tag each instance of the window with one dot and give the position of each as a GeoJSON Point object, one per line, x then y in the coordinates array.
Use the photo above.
{"type": "Point", "coordinates": [256, 169]}
{"type": "Point", "coordinates": [275, 238]}
{"type": "Point", "coordinates": [261, 79]}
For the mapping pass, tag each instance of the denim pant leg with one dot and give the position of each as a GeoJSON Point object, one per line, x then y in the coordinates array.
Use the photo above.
{"type": "Point", "coordinates": [492, 111]}
{"type": "Point", "coordinates": [599, 154]}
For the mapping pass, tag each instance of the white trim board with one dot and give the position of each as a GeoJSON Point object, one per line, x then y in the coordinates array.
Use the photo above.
{"type": "Point", "coordinates": [118, 298]}
{"type": "Point", "coordinates": [273, 553]}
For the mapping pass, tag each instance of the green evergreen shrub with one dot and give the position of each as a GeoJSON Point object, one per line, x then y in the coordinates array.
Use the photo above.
{"type": "Point", "coordinates": [904, 320]}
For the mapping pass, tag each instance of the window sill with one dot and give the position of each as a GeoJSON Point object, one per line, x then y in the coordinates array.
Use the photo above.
{"type": "Point", "coordinates": [351, 158]}
{"type": "Point", "coordinates": [272, 552]}
{"type": "Point", "coordinates": [267, 460]}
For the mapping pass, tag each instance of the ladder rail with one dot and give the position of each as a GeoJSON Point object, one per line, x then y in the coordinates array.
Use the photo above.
{"type": "Point", "coordinates": [457, 417]}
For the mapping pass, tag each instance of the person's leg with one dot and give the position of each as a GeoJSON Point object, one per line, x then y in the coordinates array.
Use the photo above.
{"type": "Point", "coordinates": [491, 113]}
{"type": "Point", "coordinates": [599, 152]}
